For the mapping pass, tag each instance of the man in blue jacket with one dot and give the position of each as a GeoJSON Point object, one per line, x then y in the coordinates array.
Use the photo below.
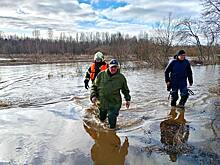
{"type": "Point", "coordinates": [176, 74]}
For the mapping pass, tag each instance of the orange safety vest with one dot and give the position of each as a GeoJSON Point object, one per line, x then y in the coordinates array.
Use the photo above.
{"type": "Point", "coordinates": [102, 68]}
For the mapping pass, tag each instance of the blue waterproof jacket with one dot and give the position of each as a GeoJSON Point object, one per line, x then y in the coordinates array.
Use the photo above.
{"type": "Point", "coordinates": [177, 73]}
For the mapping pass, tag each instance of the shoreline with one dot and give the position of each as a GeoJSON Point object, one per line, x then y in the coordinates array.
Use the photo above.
{"type": "Point", "coordinates": [5, 61]}
{"type": "Point", "coordinates": [43, 62]}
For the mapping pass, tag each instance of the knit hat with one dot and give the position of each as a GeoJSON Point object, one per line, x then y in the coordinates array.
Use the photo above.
{"type": "Point", "coordinates": [180, 52]}
{"type": "Point", "coordinates": [99, 57]}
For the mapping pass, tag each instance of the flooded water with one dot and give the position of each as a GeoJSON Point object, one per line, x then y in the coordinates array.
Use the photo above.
{"type": "Point", "coordinates": [46, 118]}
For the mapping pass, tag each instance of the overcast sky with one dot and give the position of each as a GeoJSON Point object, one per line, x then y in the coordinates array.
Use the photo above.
{"type": "Point", "coordinates": [21, 17]}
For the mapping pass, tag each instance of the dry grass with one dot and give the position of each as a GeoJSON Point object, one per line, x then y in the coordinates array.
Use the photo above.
{"type": "Point", "coordinates": [3, 104]}
{"type": "Point", "coordinates": [215, 89]}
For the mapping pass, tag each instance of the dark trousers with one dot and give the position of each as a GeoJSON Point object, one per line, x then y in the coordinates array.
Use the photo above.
{"type": "Point", "coordinates": [112, 114]}
{"type": "Point", "coordinates": [183, 93]}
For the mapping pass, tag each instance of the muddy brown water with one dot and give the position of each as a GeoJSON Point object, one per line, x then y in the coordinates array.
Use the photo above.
{"type": "Point", "coordinates": [46, 118]}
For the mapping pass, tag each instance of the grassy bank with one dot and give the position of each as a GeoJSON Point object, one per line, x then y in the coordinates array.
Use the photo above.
{"type": "Point", "coordinates": [27, 59]}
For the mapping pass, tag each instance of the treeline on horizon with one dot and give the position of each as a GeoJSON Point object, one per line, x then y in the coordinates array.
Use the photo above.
{"type": "Point", "coordinates": [198, 37]}
{"type": "Point", "coordinates": [116, 45]}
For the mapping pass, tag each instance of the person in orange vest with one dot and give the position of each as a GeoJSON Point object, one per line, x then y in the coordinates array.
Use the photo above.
{"type": "Point", "coordinates": [97, 66]}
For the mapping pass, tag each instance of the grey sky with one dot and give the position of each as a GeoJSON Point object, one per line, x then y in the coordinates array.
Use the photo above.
{"type": "Point", "coordinates": [23, 16]}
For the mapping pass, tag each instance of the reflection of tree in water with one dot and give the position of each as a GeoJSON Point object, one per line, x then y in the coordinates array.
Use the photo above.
{"type": "Point", "coordinates": [107, 149]}
{"type": "Point", "coordinates": [174, 134]}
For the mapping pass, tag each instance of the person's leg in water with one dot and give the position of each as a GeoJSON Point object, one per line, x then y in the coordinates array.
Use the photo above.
{"type": "Point", "coordinates": [184, 96]}
{"type": "Point", "coordinates": [112, 117]}
{"type": "Point", "coordinates": [102, 114]}
{"type": "Point", "coordinates": [174, 96]}
{"type": "Point", "coordinates": [174, 92]}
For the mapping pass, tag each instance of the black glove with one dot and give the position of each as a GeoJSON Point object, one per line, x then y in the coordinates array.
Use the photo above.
{"type": "Point", "coordinates": [86, 82]}
{"type": "Point", "coordinates": [169, 87]}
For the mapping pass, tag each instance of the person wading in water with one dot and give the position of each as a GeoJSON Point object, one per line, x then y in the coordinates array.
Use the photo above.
{"type": "Point", "coordinates": [176, 74]}
{"type": "Point", "coordinates": [97, 66]}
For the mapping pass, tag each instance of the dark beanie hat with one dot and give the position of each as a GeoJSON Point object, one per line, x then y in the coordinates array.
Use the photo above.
{"type": "Point", "coordinates": [180, 52]}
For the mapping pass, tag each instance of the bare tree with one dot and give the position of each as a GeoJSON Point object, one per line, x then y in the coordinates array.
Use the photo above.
{"type": "Point", "coordinates": [1, 34]}
{"type": "Point", "coordinates": [36, 34]}
{"type": "Point", "coordinates": [50, 34]}
{"type": "Point", "coordinates": [164, 35]}
{"type": "Point", "coordinates": [211, 37]}
{"type": "Point", "coordinates": [211, 13]}
{"type": "Point", "coordinates": [77, 37]}
{"type": "Point", "coordinates": [211, 16]}
{"type": "Point", "coordinates": [189, 30]}
{"type": "Point", "coordinates": [62, 36]}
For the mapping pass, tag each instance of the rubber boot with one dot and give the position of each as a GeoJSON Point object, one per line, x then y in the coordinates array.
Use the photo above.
{"type": "Point", "coordinates": [173, 113]}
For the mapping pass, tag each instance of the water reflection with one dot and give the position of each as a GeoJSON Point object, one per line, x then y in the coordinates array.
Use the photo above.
{"type": "Point", "coordinates": [175, 133]}
{"type": "Point", "coordinates": [49, 97]}
{"type": "Point", "coordinates": [107, 149]}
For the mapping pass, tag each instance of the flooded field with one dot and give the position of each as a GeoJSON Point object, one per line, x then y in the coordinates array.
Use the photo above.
{"type": "Point", "coordinates": [44, 119]}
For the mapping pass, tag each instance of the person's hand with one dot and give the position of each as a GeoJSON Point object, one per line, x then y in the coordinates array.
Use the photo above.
{"type": "Point", "coordinates": [168, 83]}
{"type": "Point", "coordinates": [127, 104]}
{"type": "Point", "coordinates": [94, 99]}
{"type": "Point", "coordinates": [168, 86]}
{"type": "Point", "coordinates": [86, 84]}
